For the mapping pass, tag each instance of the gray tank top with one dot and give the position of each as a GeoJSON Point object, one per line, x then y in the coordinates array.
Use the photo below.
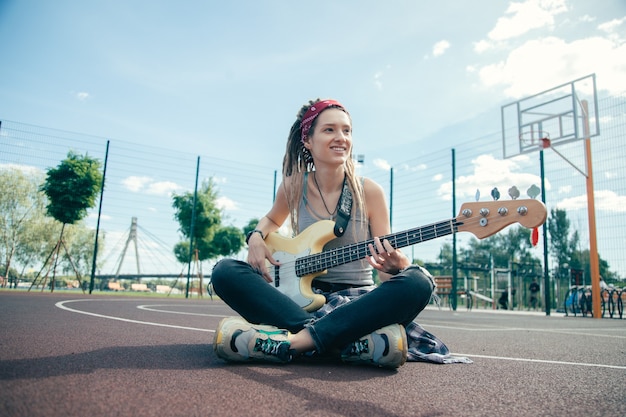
{"type": "Point", "coordinates": [353, 273]}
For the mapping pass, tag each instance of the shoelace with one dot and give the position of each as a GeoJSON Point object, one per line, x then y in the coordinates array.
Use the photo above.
{"type": "Point", "coordinates": [268, 346]}
{"type": "Point", "coordinates": [359, 347]}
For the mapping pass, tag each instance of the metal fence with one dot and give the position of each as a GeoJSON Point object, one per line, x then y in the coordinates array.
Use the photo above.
{"type": "Point", "coordinates": [140, 179]}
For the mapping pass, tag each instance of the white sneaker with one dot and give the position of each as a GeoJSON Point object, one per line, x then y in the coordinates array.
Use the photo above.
{"type": "Point", "coordinates": [386, 347]}
{"type": "Point", "coordinates": [236, 340]}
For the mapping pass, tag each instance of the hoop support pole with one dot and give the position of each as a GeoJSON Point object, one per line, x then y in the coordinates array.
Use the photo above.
{"type": "Point", "coordinates": [594, 261]}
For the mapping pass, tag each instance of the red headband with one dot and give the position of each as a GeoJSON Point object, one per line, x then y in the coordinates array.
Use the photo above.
{"type": "Point", "coordinates": [313, 112]}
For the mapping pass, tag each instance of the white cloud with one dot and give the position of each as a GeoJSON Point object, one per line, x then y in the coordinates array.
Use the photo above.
{"type": "Point", "coordinates": [94, 216]}
{"type": "Point", "coordinates": [413, 168]}
{"type": "Point", "coordinates": [482, 46]}
{"type": "Point", "coordinates": [565, 189]}
{"type": "Point", "coordinates": [148, 186]}
{"type": "Point", "coordinates": [134, 183]}
{"type": "Point", "coordinates": [534, 65]}
{"type": "Point", "coordinates": [226, 203]}
{"type": "Point", "coordinates": [587, 18]}
{"type": "Point", "coordinates": [377, 80]}
{"type": "Point", "coordinates": [611, 26]}
{"type": "Point", "coordinates": [219, 180]}
{"type": "Point", "coordinates": [523, 17]}
{"type": "Point", "coordinates": [604, 200]}
{"type": "Point", "coordinates": [82, 96]}
{"type": "Point", "coordinates": [490, 172]}
{"type": "Point", "coordinates": [162, 188]}
{"type": "Point", "coordinates": [541, 64]}
{"type": "Point", "coordinates": [382, 164]}
{"type": "Point", "coordinates": [440, 47]}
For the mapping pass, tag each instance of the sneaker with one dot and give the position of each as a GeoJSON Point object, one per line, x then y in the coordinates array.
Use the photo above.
{"type": "Point", "coordinates": [386, 347]}
{"type": "Point", "coordinates": [236, 340]}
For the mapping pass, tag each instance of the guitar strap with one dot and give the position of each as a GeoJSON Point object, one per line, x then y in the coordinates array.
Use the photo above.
{"type": "Point", "coordinates": [344, 210]}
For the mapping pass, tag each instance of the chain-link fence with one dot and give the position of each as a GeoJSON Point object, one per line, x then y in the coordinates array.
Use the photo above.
{"type": "Point", "coordinates": [140, 179]}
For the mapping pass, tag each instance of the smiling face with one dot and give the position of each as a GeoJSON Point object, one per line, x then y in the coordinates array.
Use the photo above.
{"type": "Point", "coordinates": [331, 141]}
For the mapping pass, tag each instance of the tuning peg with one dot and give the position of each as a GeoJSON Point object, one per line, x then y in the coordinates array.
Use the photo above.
{"type": "Point", "coordinates": [495, 193]}
{"type": "Point", "coordinates": [533, 191]}
{"type": "Point", "coordinates": [477, 194]}
{"type": "Point", "coordinates": [513, 192]}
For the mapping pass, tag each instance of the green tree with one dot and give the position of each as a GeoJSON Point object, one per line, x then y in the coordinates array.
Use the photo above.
{"type": "Point", "coordinates": [250, 226]}
{"type": "Point", "coordinates": [71, 189]}
{"type": "Point", "coordinates": [210, 238]}
{"type": "Point", "coordinates": [37, 241]}
{"type": "Point", "coordinates": [609, 276]}
{"type": "Point", "coordinates": [21, 204]}
{"type": "Point", "coordinates": [565, 247]}
{"type": "Point", "coordinates": [562, 244]}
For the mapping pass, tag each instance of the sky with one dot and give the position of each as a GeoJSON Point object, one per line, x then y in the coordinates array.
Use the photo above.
{"type": "Point", "coordinates": [226, 76]}
{"type": "Point", "coordinates": [199, 72]}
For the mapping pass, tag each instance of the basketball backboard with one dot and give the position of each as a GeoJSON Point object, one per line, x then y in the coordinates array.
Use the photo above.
{"type": "Point", "coordinates": [550, 118]}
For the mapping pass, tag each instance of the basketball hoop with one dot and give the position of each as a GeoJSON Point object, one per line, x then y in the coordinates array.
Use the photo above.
{"type": "Point", "coordinates": [534, 139]}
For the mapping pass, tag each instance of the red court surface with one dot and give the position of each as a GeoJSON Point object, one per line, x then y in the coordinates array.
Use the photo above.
{"type": "Point", "coordinates": [71, 354]}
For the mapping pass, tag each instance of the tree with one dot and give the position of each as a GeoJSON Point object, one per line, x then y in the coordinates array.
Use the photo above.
{"type": "Point", "coordinates": [250, 226]}
{"type": "Point", "coordinates": [605, 272]}
{"type": "Point", "coordinates": [20, 205]}
{"type": "Point", "coordinates": [561, 244]}
{"type": "Point", "coordinates": [37, 241]}
{"type": "Point", "coordinates": [71, 189]}
{"type": "Point", "coordinates": [210, 238]}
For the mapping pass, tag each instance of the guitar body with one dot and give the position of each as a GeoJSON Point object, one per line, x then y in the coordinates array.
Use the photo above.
{"type": "Point", "coordinates": [287, 250]}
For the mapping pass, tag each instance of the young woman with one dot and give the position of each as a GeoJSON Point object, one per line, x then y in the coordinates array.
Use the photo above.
{"type": "Point", "coordinates": [360, 322]}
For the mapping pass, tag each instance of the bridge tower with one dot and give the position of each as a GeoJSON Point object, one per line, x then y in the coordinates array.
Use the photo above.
{"type": "Point", "coordinates": [132, 237]}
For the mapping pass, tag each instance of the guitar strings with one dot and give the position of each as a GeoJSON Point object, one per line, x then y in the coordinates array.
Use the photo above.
{"type": "Point", "coordinates": [321, 261]}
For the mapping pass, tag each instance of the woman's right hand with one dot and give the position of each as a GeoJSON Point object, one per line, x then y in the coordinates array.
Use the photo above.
{"type": "Point", "coordinates": [258, 253]}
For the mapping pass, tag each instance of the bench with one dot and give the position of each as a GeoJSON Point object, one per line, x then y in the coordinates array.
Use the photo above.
{"type": "Point", "coordinates": [114, 286]}
{"type": "Point", "coordinates": [444, 288]}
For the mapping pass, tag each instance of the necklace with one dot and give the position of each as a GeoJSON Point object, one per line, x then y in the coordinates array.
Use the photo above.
{"type": "Point", "coordinates": [322, 197]}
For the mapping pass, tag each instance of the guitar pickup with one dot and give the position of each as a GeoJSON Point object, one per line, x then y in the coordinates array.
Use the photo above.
{"type": "Point", "coordinates": [277, 276]}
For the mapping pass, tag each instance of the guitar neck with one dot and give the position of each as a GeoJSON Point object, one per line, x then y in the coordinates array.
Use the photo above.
{"type": "Point", "coordinates": [339, 256]}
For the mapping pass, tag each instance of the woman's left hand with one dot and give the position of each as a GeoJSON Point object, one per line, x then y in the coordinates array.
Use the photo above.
{"type": "Point", "coordinates": [385, 258]}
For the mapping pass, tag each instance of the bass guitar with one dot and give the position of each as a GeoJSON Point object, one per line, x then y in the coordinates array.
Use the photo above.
{"type": "Point", "coordinates": [302, 258]}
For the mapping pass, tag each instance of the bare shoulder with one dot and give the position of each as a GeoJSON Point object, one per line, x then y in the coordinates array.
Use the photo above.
{"type": "Point", "coordinates": [374, 195]}
{"type": "Point", "coordinates": [376, 207]}
{"type": "Point", "coordinates": [372, 188]}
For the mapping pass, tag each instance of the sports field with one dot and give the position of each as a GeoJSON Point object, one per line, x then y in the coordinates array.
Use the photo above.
{"type": "Point", "coordinates": [69, 354]}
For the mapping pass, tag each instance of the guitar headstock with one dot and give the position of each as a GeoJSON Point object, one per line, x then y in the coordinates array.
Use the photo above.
{"type": "Point", "coordinates": [485, 218]}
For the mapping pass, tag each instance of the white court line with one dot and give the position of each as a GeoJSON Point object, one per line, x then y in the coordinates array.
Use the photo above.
{"type": "Point", "coordinates": [151, 308]}
{"type": "Point", "coordinates": [61, 305]}
{"type": "Point", "coordinates": [503, 358]}
{"type": "Point", "coordinates": [575, 332]}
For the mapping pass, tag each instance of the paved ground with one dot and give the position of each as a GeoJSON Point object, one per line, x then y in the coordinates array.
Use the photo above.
{"type": "Point", "coordinates": [67, 354]}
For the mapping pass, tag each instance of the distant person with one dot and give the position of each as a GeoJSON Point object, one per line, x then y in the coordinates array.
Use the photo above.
{"type": "Point", "coordinates": [534, 291]}
{"type": "Point", "coordinates": [503, 301]}
{"type": "Point", "coordinates": [360, 322]}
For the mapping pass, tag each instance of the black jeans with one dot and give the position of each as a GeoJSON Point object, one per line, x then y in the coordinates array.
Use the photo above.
{"type": "Point", "coordinates": [398, 300]}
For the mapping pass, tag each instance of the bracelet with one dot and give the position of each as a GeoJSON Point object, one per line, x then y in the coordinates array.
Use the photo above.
{"type": "Point", "coordinates": [250, 233]}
